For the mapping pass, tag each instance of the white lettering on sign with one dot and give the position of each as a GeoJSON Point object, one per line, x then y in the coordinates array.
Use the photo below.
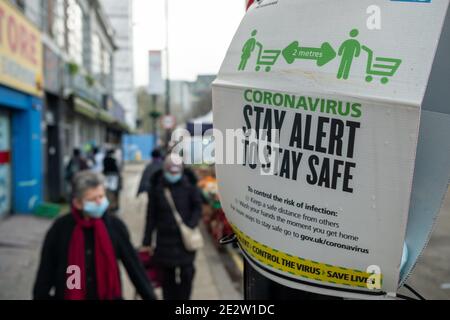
{"type": "Point", "coordinates": [374, 20]}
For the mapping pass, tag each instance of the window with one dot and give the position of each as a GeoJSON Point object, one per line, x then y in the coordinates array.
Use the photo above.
{"type": "Point", "coordinates": [52, 12]}
{"type": "Point", "coordinates": [96, 54]}
{"type": "Point", "coordinates": [20, 4]}
{"type": "Point", "coordinates": [58, 27]}
{"type": "Point", "coordinates": [75, 31]}
{"type": "Point", "coordinates": [46, 15]}
{"type": "Point", "coordinates": [106, 68]}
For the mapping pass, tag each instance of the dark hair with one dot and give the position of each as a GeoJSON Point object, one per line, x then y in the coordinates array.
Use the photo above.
{"type": "Point", "coordinates": [76, 152]}
{"type": "Point", "coordinates": [156, 153]}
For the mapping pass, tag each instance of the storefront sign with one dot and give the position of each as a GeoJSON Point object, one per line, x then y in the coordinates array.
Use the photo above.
{"type": "Point", "coordinates": [53, 71]}
{"type": "Point", "coordinates": [20, 51]}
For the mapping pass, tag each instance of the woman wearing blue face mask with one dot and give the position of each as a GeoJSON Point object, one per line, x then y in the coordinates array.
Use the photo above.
{"type": "Point", "coordinates": [81, 251]}
{"type": "Point", "coordinates": [175, 262]}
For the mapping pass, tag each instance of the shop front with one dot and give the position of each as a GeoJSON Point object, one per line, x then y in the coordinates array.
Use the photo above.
{"type": "Point", "coordinates": [5, 165]}
{"type": "Point", "coordinates": [53, 114]}
{"type": "Point", "coordinates": [20, 112]}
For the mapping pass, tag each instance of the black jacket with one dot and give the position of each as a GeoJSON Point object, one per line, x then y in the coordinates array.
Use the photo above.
{"type": "Point", "coordinates": [53, 265]}
{"type": "Point", "coordinates": [110, 166]}
{"type": "Point", "coordinates": [150, 170]}
{"type": "Point", "coordinates": [170, 251]}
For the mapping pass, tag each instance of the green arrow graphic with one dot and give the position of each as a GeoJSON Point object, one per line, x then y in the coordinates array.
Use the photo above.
{"type": "Point", "coordinates": [323, 55]}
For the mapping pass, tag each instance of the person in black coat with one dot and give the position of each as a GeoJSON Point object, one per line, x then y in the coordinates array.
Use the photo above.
{"type": "Point", "coordinates": [153, 167]}
{"type": "Point", "coordinates": [113, 176]}
{"type": "Point", "coordinates": [80, 254]}
{"type": "Point", "coordinates": [110, 165]}
{"type": "Point", "coordinates": [175, 262]}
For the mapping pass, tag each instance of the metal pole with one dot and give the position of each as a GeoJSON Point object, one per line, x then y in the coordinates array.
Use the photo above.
{"type": "Point", "coordinates": [167, 69]}
{"type": "Point", "coordinates": [258, 287]}
{"type": "Point", "coordinates": [154, 119]}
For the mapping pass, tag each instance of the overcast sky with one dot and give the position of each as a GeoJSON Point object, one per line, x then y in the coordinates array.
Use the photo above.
{"type": "Point", "coordinates": [199, 35]}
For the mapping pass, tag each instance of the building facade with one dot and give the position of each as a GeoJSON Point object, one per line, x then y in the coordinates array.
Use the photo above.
{"type": "Point", "coordinates": [21, 69]}
{"type": "Point", "coordinates": [180, 98]}
{"type": "Point", "coordinates": [77, 108]}
{"type": "Point", "coordinates": [120, 14]}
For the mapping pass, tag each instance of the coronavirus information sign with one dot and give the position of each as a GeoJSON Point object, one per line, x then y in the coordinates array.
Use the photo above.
{"type": "Point", "coordinates": [324, 102]}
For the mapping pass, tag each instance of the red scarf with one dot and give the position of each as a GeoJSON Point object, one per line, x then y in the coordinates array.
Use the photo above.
{"type": "Point", "coordinates": [106, 267]}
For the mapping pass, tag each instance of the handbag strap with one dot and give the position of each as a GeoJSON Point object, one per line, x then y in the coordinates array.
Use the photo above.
{"type": "Point", "coordinates": [175, 212]}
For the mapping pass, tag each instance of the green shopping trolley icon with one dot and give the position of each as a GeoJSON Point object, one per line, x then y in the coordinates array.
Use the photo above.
{"type": "Point", "coordinates": [266, 58]}
{"type": "Point", "coordinates": [379, 66]}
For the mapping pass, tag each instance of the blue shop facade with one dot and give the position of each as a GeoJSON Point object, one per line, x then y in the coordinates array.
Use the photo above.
{"type": "Point", "coordinates": [20, 149]}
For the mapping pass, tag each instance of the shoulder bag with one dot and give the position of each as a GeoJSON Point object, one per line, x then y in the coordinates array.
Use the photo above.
{"type": "Point", "coordinates": [192, 237]}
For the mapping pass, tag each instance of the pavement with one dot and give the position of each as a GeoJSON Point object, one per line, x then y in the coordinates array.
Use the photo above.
{"type": "Point", "coordinates": [21, 238]}
{"type": "Point", "coordinates": [20, 245]}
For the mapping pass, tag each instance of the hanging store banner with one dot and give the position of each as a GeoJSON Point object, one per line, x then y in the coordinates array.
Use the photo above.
{"type": "Point", "coordinates": [325, 100]}
{"type": "Point", "coordinates": [53, 71]}
{"type": "Point", "coordinates": [156, 85]}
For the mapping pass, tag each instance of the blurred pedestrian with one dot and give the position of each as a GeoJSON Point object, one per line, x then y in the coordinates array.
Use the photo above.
{"type": "Point", "coordinates": [175, 262]}
{"type": "Point", "coordinates": [113, 178]}
{"type": "Point", "coordinates": [154, 166]}
{"type": "Point", "coordinates": [76, 164]}
{"type": "Point", "coordinates": [97, 160]}
{"type": "Point", "coordinates": [119, 157]}
{"type": "Point", "coordinates": [81, 249]}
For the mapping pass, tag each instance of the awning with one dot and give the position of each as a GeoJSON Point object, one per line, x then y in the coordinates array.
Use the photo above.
{"type": "Point", "coordinates": [85, 108]}
{"type": "Point", "coordinates": [89, 110]}
{"type": "Point", "coordinates": [105, 116]}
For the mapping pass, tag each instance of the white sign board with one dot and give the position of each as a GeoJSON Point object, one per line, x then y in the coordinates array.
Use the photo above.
{"type": "Point", "coordinates": [328, 95]}
{"type": "Point", "coordinates": [432, 172]}
{"type": "Point", "coordinates": [156, 82]}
